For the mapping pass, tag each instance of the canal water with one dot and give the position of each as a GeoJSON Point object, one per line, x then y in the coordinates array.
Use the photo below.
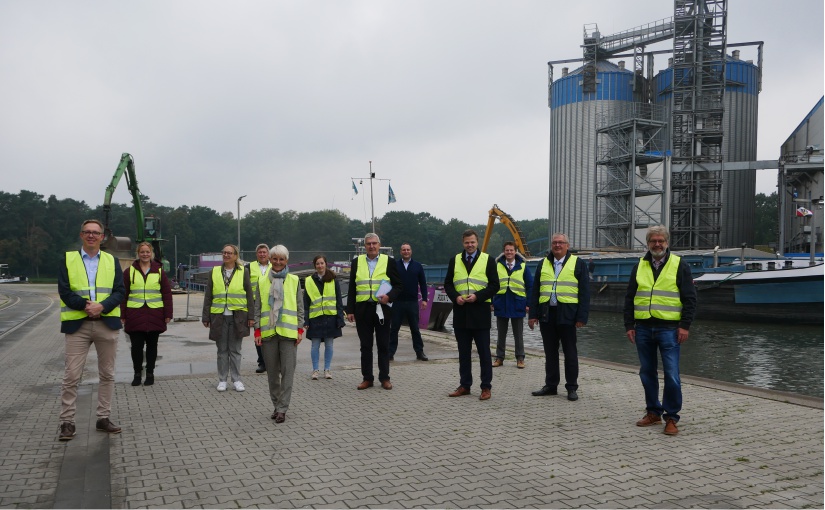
{"type": "Point", "coordinates": [776, 357]}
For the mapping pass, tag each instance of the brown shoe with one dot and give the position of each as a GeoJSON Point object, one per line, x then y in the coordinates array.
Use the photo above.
{"type": "Point", "coordinates": [520, 363]}
{"type": "Point", "coordinates": [387, 385]}
{"type": "Point", "coordinates": [364, 385]}
{"type": "Point", "coordinates": [280, 417]}
{"type": "Point", "coordinates": [670, 427]}
{"type": "Point", "coordinates": [649, 419]}
{"type": "Point", "coordinates": [497, 362]}
{"type": "Point", "coordinates": [104, 425]}
{"type": "Point", "coordinates": [485, 394]}
{"type": "Point", "coordinates": [460, 392]}
{"type": "Point", "coordinates": [67, 431]}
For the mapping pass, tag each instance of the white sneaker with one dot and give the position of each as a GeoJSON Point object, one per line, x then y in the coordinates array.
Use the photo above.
{"type": "Point", "coordinates": [315, 375]}
{"type": "Point", "coordinates": [239, 386]}
{"type": "Point", "coordinates": [222, 386]}
{"type": "Point", "coordinates": [327, 375]}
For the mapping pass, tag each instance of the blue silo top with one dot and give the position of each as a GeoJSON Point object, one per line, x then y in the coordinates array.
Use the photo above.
{"type": "Point", "coordinates": [612, 83]}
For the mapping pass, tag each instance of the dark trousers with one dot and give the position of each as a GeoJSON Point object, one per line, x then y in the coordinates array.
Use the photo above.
{"type": "Point", "coordinates": [150, 340]}
{"type": "Point", "coordinates": [551, 335]}
{"type": "Point", "coordinates": [367, 325]}
{"type": "Point", "coordinates": [518, 336]}
{"type": "Point", "coordinates": [408, 309]}
{"type": "Point", "coordinates": [261, 362]}
{"type": "Point", "coordinates": [465, 338]}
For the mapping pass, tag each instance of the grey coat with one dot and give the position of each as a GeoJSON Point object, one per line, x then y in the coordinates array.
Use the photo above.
{"type": "Point", "coordinates": [240, 317]}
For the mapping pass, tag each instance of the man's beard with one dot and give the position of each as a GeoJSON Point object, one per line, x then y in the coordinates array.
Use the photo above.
{"type": "Point", "coordinates": [658, 253]}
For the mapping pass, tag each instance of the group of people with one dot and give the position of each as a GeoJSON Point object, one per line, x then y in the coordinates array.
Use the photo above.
{"type": "Point", "coordinates": [97, 299]}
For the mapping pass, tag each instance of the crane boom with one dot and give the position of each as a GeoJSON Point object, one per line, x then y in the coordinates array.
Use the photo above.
{"type": "Point", "coordinates": [510, 223]}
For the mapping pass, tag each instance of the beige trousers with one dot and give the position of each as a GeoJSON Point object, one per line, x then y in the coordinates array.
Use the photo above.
{"type": "Point", "coordinates": [77, 348]}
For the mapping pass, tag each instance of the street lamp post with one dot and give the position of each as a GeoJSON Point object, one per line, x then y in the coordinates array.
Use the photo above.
{"type": "Point", "coordinates": [239, 224]}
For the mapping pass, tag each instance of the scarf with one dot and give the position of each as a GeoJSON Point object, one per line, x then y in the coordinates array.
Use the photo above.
{"type": "Point", "coordinates": [276, 294]}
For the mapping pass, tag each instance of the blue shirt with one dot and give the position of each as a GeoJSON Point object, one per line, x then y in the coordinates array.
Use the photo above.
{"type": "Point", "coordinates": [91, 264]}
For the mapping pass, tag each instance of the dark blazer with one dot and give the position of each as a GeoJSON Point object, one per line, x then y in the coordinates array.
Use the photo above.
{"type": "Point", "coordinates": [687, 294]}
{"type": "Point", "coordinates": [76, 302]}
{"type": "Point", "coordinates": [566, 313]}
{"type": "Point", "coordinates": [472, 315]}
{"type": "Point", "coordinates": [366, 307]}
{"type": "Point", "coordinates": [413, 280]}
{"type": "Point", "coordinates": [239, 317]}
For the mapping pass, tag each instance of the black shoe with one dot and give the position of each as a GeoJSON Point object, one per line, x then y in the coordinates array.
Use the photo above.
{"type": "Point", "coordinates": [260, 370]}
{"type": "Point", "coordinates": [422, 357]}
{"type": "Point", "coordinates": [545, 390]}
{"type": "Point", "coordinates": [392, 358]}
{"type": "Point", "coordinates": [572, 395]}
{"type": "Point", "coordinates": [150, 379]}
{"type": "Point", "coordinates": [67, 431]}
{"type": "Point", "coordinates": [136, 380]}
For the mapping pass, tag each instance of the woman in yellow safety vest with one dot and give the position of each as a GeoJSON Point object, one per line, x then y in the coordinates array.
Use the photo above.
{"type": "Point", "coordinates": [324, 311]}
{"type": "Point", "coordinates": [228, 313]}
{"type": "Point", "coordinates": [146, 310]}
{"type": "Point", "coordinates": [280, 309]}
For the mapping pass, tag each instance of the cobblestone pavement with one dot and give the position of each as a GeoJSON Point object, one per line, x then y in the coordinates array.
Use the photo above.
{"type": "Point", "coordinates": [186, 445]}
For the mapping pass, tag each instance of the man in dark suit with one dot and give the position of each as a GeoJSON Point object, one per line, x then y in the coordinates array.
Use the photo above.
{"type": "Point", "coordinates": [471, 282]}
{"type": "Point", "coordinates": [90, 285]}
{"type": "Point", "coordinates": [367, 305]}
{"type": "Point", "coordinates": [412, 279]}
{"type": "Point", "coordinates": [560, 303]}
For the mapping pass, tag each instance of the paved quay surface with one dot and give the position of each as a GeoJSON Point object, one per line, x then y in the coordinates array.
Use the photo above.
{"type": "Point", "coordinates": [186, 445]}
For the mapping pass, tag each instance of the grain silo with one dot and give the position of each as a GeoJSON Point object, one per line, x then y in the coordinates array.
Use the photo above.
{"type": "Point", "coordinates": [741, 107]}
{"type": "Point", "coordinates": [573, 140]}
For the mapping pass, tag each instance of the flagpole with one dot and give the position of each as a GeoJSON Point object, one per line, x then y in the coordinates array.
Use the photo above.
{"type": "Point", "coordinates": [372, 199]}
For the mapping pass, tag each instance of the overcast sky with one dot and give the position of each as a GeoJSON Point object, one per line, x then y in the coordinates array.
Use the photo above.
{"type": "Point", "coordinates": [286, 101]}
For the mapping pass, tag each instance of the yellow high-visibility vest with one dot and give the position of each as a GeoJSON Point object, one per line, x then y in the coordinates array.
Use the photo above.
{"type": "Point", "coordinates": [144, 291]}
{"type": "Point", "coordinates": [514, 281]}
{"type": "Point", "coordinates": [658, 298]}
{"type": "Point", "coordinates": [320, 304]}
{"type": "Point", "coordinates": [566, 285]}
{"type": "Point", "coordinates": [287, 324]}
{"type": "Point", "coordinates": [79, 283]}
{"type": "Point", "coordinates": [366, 285]}
{"type": "Point", "coordinates": [234, 297]}
{"type": "Point", "coordinates": [466, 284]}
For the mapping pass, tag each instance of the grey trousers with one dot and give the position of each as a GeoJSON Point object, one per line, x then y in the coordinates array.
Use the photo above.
{"type": "Point", "coordinates": [280, 357]}
{"type": "Point", "coordinates": [518, 336]}
{"type": "Point", "coordinates": [229, 352]}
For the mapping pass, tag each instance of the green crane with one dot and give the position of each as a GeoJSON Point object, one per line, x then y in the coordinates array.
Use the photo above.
{"type": "Point", "coordinates": [148, 227]}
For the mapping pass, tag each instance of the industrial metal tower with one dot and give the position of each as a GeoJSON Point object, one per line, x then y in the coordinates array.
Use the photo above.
{"type": "Point", "coordinates": [699, 58]}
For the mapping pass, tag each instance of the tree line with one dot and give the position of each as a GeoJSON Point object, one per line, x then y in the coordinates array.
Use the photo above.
{"type": "Point", "coordinates": [36, 231]}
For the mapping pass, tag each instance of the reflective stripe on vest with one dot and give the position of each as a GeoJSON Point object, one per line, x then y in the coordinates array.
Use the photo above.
{"type": "Point", "coordinates": [234, 297]}
{"type": "Point", "coordinates": [144, 291]}
{"type": "Point", "coordinates": [567, 285]}
{"type": "Point", "coordinates": [658, 298]}
{"type": "Point", "coordinates": [514, 281]}
{"type": "Point", "coordinates": [320, 304]}
{"type": "Point", "coordinates": [79, 284]}
{"type": "Point", "coordinates": [287, 324]}
{"type": "Point", "coordinates": [366, 285]}
{"type": "Point", "coordinates": [466, 284]}
{"type": "Point", "coordinates": [264, 284]}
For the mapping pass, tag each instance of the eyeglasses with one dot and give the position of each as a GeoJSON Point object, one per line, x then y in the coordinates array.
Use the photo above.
{"type": "Point", "coordinates": [91, 233]}
{"type": "Point", "coordinates": [656, 241]}
{"type": "Point", "coordinates": [228, 253]}
{"type": "Point", "coordinates": [558, 242]}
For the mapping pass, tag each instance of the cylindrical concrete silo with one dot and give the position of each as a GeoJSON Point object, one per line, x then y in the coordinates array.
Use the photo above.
{"type": "Point", "coordinates": [741, 103]}
{"type": "Point", "coordinates": [573, 147]}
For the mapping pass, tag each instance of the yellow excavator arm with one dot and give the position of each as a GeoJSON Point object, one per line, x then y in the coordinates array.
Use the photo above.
{"type": "Point", "coordinates": [510, 223]}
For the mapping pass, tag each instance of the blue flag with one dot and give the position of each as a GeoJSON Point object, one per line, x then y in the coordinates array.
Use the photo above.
{"type": "Point", "coordinates": [354, 188]}
{"type": "Point", "coordinates": [391, 196]}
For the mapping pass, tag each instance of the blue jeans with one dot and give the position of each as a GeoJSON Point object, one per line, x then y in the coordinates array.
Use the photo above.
{"type": "Point", "coordinates": [648, 341]}
{"type": "Point", "coordinates": [315, 352]}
